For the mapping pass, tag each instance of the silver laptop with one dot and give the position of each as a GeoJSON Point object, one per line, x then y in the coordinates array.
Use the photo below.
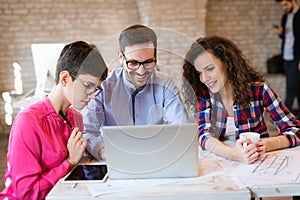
{"type": "Point", "coordinates": [151, 151]}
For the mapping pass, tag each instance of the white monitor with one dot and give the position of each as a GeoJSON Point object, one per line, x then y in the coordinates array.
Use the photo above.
{"type": "Point", "coordinates": [45, 56]}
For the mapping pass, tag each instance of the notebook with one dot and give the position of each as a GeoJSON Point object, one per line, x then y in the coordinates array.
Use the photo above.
{"type": "Point", "coordinates": [151, 151]}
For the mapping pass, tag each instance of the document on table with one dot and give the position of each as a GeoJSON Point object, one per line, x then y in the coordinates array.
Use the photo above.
{"type": "Point", "coordinates": [279, 166]}
{"type": "Point", "coordinates": [112, 186]}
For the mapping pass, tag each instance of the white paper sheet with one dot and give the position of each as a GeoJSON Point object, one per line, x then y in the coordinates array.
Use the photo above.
{"type": "Point", "coordinates": [112, 186]}
{"type": "Point", "coordinates": [278, 167]}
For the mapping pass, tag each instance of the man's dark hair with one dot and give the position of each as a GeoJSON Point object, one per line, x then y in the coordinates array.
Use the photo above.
{"type": "Point", "coordinates": [81, 58]}
{"type": "Point", "coordinates": [137, 34]}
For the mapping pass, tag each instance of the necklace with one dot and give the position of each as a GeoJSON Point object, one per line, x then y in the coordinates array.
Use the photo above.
{"type": "Point", "coordinates": [66, 119]}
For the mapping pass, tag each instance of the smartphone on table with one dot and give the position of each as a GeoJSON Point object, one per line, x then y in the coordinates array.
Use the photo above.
{"type": "Point", "coordinates": [87, 173]}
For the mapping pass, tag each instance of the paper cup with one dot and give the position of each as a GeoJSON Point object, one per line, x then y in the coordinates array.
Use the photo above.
{"type": "Point", "coordinates": [252, 136]}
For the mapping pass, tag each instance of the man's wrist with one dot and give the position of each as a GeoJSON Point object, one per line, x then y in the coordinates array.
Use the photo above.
{"type": "Point", "coordinates": [101, 154]}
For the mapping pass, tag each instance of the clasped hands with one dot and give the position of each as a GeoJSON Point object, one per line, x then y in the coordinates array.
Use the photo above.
{"type": "Point", "coordinates": [250, 153]}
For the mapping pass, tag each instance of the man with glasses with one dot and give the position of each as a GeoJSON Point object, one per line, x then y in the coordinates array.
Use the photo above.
{"type": "Point", "coordinates": [136, 94]}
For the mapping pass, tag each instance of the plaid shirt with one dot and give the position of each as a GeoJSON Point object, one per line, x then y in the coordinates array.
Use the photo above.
{"type": "Point", "coordinates": [212, 116]}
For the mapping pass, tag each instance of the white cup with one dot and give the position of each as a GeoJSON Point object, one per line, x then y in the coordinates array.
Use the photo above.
{"type": "Point", "coordinates": [252, 136]}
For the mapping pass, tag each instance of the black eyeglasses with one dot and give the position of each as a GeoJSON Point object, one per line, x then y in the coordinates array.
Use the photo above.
{"type": "Point", "coordinates": [90, 88]}
{"type": "Point", "coordinates": [134, 64]}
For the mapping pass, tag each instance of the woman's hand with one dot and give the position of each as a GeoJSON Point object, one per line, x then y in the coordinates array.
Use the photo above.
{"type": "Point", "coordinates": [76, 147]}
{"type": "Point", "coordinates": [261, 149]}
{"type": "Point", "coordinates": [246, 153]}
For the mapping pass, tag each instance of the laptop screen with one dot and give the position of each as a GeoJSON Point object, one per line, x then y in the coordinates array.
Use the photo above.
{"type": "Point", "coordinates": [151, 151]}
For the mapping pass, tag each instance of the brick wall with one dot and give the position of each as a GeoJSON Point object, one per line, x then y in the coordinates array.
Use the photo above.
{"type": "Point", "coordinates": [23, 23]}
{"type": "Point", "coordinates": [177, 23]}
{"type": "Point", "coordinates": [47, 21]}
{"type": "Point", "coordinates": [249, 24]}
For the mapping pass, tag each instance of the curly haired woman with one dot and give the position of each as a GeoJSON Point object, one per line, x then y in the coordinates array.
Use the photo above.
{"type": "Point", "coordinates": [231, 99]}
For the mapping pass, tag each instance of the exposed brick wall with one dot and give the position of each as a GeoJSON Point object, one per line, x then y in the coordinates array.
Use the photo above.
{"type": "Point", "coordinates": [23, 23]}
{"type": "Point", "coordinates": [249, 24]}
{"type": "Point", "coordinates": [177, 22]}
{"type": "Point", "coordinates": [97, 21]}
{"type": "Point", "coordinates": [35, 21]}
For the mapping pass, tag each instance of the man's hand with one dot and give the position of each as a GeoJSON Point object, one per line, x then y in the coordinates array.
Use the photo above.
{"type": "Point", "coordinates": [102, 154]}
{"type": "Point", "coordinates": [278, 30]}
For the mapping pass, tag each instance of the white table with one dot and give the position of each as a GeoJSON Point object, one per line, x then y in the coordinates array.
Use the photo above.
{"type": "Point", "coordinates": [213, 187]}
{"type": "Point", "coordinates": [204, 187]}
{"type": "Point", "coordinates": [277, 190]}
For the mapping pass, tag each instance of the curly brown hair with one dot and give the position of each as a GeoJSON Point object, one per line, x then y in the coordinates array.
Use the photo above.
{"type": "Point", "coordinates": [241, 73]}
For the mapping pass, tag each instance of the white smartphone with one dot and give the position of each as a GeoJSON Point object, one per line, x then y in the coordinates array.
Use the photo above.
{"type": "Point", "coordinates": [87, 173]}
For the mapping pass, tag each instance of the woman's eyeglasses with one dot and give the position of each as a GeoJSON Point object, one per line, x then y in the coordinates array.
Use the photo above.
{"type": "Point", "coordinates": [90, 88]}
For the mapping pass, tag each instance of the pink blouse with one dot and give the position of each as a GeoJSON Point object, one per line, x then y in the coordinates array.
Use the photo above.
{"type": "Point", "coordinates": [37, 151]}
